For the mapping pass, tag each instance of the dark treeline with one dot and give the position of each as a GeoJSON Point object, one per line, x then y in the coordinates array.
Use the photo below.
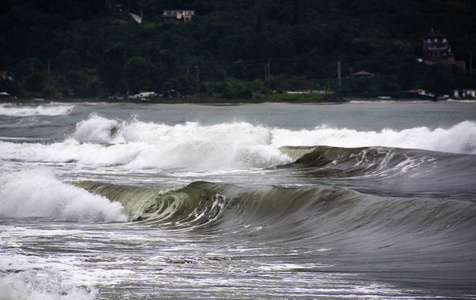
{"type": "Point", "coordinates": [93, 48]}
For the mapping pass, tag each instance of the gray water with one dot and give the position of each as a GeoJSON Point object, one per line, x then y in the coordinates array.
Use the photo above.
{"type": "Point", "coordinates": [157, 201]}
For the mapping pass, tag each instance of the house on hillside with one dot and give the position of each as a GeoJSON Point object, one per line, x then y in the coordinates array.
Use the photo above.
{"type": "Point", "coordinates": [436, 48]}
{"type": "Point", "coordinates": [5, 75]}
{"type": "Point", "coordinates": [184, 16]}
{"type": "Point", "coordinates": [361, 74]}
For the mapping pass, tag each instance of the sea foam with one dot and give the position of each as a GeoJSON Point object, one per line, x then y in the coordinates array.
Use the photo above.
{"type": "Point", "coordinates": [99, 141]}
{"type": "Point", "coordinates": [41, 286]}
{"type": "Point", "coordinates": [221, 146]}
{"type": "Point", "coordinates": [41, 110]}
{"type": "Point", "coordinates": [97, 130]}
{"type": "Point", "coordinates": [38, 193]}
{"type": "Point", "coordinates": [460, 138]}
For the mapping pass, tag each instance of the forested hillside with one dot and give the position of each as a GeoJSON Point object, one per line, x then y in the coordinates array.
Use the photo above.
{"type": "Point", "coordinates": [95, 48]}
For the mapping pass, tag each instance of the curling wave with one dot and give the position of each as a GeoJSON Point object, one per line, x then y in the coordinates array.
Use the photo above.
{"type": "Point", "coordinates": [365, 161]}
{"type": "Point", "coordinates": [403, 170]}
{"type": "Point", "coordinates": [330, 213]}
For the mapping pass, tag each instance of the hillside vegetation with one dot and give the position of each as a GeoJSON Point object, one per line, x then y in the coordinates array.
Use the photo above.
{"type": "Point", "coordinates": [94, 48]}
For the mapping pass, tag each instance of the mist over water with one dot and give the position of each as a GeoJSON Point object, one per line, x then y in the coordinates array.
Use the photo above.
{"type": "Point", "coordinates": [126, 201]}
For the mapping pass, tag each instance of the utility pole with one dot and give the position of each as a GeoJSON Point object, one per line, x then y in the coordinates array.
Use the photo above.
{"type": "Point", "coordinates": [269, 67]}
{"type": "Point", "coordinates": [339, 73]}
{"type": "Point", "coordinates": [266, 69]}
{"type": "Point", "coordinates": [471, 62]}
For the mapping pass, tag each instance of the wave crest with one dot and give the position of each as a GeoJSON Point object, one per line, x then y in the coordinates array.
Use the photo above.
{"type": "Point", "coordinates": [41, 110]}
{"type": "Point", "coordinates": [99, 141]}
{"type": "Point", "coordinates": [37, 193]}
{"type": "Point", "coordinates": [375, 161]}
{"type": "Point", "coordinates": [328, 213]}
{"type": "Point", "coordinates": [196, 204]}
{"type": "Point", "coordinates": [460, 138]}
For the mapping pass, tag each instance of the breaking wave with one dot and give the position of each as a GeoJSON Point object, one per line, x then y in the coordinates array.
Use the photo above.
{"type": "Point", "coordinates": [30, 110]}
{"type": "Point", "coordinates": [386, 162]}
{"type": "Point", "coordinates": [329, 213]}
{"type": "Point", "coordinates": [38, 193]}
{"type": "Point", "coordinates": [460, 138]}
{"type": "Point", "coordinates": [228, 146]}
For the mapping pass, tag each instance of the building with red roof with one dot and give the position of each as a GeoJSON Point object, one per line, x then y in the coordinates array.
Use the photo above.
{"type": "Point", "coordinates": [362, 73]}
{"type": "Point", "coordinates": [6, 75]}
{"type": "Point", "coordinates": [436, 48]}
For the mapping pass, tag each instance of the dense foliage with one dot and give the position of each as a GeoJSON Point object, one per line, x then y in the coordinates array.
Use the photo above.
{"type": "Point", "coordinates": [95, 48]}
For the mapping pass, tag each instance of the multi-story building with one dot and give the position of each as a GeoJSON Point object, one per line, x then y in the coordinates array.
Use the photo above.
{"type": "Point", "coordinates": [436, 48]}
{"type": "Point", "coordinates": [5, 75]}
{"type": "Point", "coordinates": [184, 16]}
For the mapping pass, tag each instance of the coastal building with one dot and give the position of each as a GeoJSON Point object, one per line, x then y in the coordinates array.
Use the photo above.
{"type": "Point", "coordinates": [362, 73]}
{"type": "Point", "coordinates": [184, 16]}
{"type": "Point", "coordinates": [436, 48]}
{"type": "Point", "coordinates": [5, 75]}
{"type": "Point", "coordinates": [464, 93]}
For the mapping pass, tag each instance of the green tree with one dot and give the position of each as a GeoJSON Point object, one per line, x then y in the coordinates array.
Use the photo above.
{"type": "Point", "coordinates": [68, 60]}
{"type": "Point", "coordinates": [84, 82]}
{"type": "Point", "coordinates": [35, 82]}
{"type": "Point", "coordinates": [406, 72]}
{"type": "Point", "coordinates": [260, 86]}
{"type": "Point", "coordinates": [185, 84]}
{"type": "Point", "coordinates": [438, 78]}
{"type": "Point", "coordinates": [234, 88]}
{"type": "Point", "coordinates": [137, 74]}
{"type": "Point", "coordinates": [28, 66]}
{"type": "Point", "coordinates": [114, 59]}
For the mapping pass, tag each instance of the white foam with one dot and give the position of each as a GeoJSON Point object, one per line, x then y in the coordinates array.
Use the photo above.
{"type": "Point", "coordinates": [37, 193]}
{"type": "Point", "coordinates": [216, 147]}
{"type": "Point", "coordinates": [461, 138]}
{"type": "Point", "coordinates": [99, 141]}
{"type": "Point", "coordinates": [71, 151]}
{"type": "Point", "coordinates": [43, 110]}
{"type": "Point", "coordinates": [96, 130]}
{"type": "Point", "coordinates": [28, 274]}
{"type": "Point", "coordinates": [41, 285]}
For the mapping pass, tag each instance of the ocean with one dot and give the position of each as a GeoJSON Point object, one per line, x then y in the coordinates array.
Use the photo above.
{"type": "Point", "coordinates": [360, 200]}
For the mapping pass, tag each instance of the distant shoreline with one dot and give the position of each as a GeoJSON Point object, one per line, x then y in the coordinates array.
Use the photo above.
{"type": "Point", "coordinates": [192, 99]}
{"type": "Point", "coordinates": [185, 99]}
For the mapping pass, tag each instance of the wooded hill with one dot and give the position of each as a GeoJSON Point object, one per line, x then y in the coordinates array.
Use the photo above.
{"type": "Point", "coordinates": [95, 48]}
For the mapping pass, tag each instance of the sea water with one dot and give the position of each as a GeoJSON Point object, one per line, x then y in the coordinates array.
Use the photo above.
{"type": "Point", "coordinates": [270, 201]}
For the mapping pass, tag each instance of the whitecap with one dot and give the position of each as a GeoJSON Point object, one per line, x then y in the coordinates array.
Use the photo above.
{"type": "Point", "coordinates": [38, 193]}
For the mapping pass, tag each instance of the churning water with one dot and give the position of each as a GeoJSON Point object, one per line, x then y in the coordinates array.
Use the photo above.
{"type": "Point", "coordinates": [269, 201]}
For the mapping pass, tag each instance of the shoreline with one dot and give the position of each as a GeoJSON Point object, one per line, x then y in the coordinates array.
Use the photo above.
{"type": "Point", "coordinates": [214, 100]}
{"type": "Point", "coordinates": [186, 99]}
